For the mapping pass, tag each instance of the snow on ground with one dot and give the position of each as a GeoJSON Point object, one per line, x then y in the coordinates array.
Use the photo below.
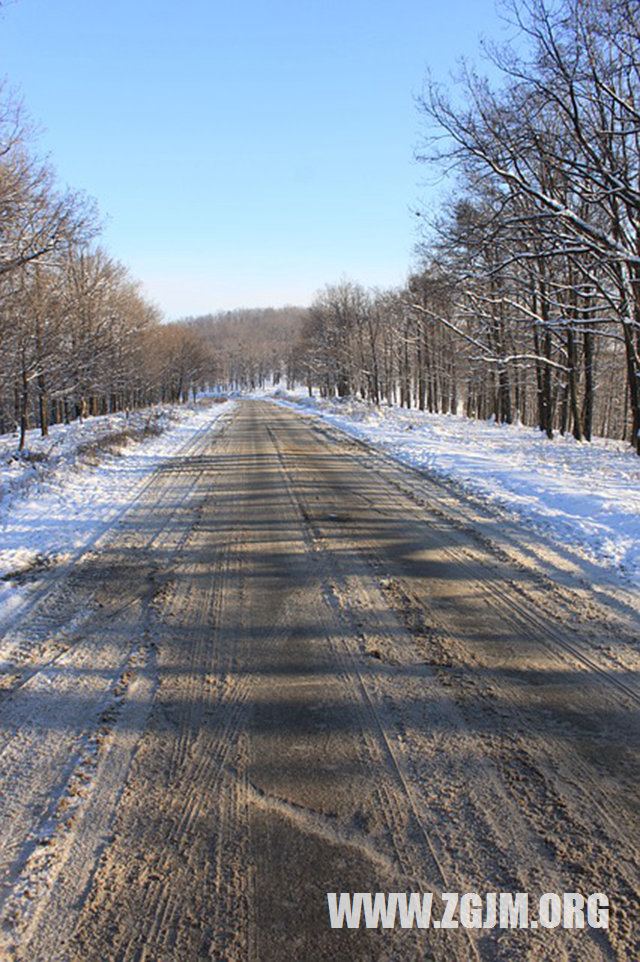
{"type": "Point", "coordinates": [581, 495]}
{"type": "Point", "coordinates": [65, 490]}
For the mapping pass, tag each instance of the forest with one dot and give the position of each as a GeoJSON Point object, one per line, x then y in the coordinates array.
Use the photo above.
{"type": "Point", "coordinates": [523, 303]}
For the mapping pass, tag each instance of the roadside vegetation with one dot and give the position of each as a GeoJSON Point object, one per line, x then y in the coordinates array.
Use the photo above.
{"type": "Point", "coordinates": [523, 304]}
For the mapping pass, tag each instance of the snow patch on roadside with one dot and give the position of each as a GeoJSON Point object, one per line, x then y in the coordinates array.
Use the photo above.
{"type": "Point", "coordinates": [580, 495]}
{"type": "Point", "coordinates": [64, 490]}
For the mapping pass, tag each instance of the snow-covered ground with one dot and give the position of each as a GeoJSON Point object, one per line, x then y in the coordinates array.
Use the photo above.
{"type": "Point", "coordinates": [65, 490]}
{"type": "Point", "coordinates": [59, 498]}
{"type": "Point", "coordinates": [584, 496]}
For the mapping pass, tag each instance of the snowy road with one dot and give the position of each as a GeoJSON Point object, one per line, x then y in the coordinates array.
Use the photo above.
{"type": "Point", "coordinates": [295, 667]}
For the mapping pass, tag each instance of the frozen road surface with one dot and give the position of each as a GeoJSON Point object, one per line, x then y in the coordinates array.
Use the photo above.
{"type": "Point", "coordinates": [292, 668]}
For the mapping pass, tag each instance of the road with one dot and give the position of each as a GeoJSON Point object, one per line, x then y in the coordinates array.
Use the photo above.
{"type": "Point", "coordinates": [295, 667]}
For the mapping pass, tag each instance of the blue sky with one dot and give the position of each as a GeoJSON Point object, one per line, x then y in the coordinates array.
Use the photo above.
{"type": "Point", "coordinates": [244, 154]}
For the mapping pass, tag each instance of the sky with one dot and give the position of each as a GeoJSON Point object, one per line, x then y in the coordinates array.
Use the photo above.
{"type": "Point", "coordinates": [247, 154]}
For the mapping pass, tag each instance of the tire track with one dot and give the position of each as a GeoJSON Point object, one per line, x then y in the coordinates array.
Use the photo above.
{"type": "Point", "coordinates": [312, 726]}
{"type": "Point", "coordinates": [323, 533]}
{"type": "Point", "coordinates": [112, 632]}
{"type": "Point", "coordinates": [427, 873]}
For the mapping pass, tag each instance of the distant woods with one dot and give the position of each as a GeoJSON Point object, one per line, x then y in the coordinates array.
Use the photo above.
{"type": "Point", "coordinates": [524, 304]}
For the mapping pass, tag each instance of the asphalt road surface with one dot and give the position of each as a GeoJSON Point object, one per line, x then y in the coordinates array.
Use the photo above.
{"type": "Point", "coordinates": [294, 667]}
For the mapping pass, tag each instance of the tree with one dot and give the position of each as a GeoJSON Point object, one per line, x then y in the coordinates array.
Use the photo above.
{"type": "Point", "coordinates": [554, 155]}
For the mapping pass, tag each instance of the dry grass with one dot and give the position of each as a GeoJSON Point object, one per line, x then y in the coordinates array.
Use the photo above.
{"type": "Point", "coordinates": [93, 451]}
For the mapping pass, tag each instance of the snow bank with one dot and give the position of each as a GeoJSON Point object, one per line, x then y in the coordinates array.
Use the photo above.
{"type": "Point", "coordinates": [65, 490]}
{"type": "Point", "coordinates": [581, 495]}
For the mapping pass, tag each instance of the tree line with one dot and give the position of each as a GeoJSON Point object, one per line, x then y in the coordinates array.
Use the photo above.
{"type": "Point", "coordinates": [540, 248]}
{"type": "Point", "coordinates": [525, 304]}
{"type": "Point", "coordinates": [78, 336]}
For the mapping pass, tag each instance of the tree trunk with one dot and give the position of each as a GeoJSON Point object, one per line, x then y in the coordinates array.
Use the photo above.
{"type": "Point", "coordinates": [43, 405]}
{"type": "Point", "coordinates": [633, 382]}
{"type": "Point", "coordinates": [587, 403]}
{"type": "Point", "coordinates": [572, 385]}
{"type": "Point", "coordinates": [24, 401]}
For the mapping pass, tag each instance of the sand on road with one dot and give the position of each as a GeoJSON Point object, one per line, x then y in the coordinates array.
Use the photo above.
{"type": "Point", "coordinates": [295, 667]}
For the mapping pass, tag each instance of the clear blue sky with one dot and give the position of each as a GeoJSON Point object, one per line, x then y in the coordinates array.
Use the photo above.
{"type": "Point", "coordinates": [244, 154]}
